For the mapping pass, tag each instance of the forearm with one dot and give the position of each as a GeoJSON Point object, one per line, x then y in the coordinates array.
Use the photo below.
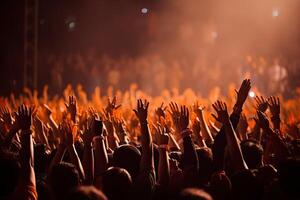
{"type": "Point", "coordinates": [101, 159]}
{"type": "Point", "coordinates": [190, 158]}
{"type": "Point", "coordinates": [76, 161]}
{"type": "Point", "coordinates": [147, 161]}
{"type": "Point", "coordinates": [163, 167]}
{"type": "Point", "coordinates": [205, 130]}
{"type": "Point", "coordinates": [88, 163]}
{"type": "Point", "coordinates": [234, 148]}
{"type": "Point", "coordinates": [173, 143]}
{"type": "Point", "coordinates": [27, 158]}
{"type": "Point", "coordinates": [276, 122]}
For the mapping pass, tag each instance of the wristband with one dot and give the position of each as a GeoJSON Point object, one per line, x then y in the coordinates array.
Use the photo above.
{"type": "Point", "coordinates": [163, 146]}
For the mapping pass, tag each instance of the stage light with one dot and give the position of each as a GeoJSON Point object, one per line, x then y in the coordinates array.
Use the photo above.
{"type": "Point", "coordinates": [144, 10]}
{"type": "Point", "coordinates": [251, 94]}
{"type": "Point", "coordinates": [214, 35]}
{"type": "Point", "coordinates": [71, 25]}
{"type": "Point", "coordinates": [275, 13]}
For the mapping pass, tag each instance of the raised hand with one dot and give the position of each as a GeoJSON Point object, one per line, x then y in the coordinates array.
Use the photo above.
{"type": "Point", "coordinates": [6, 116]}
{"type": "Point", "coordinates": [142, 110]}
{"type": "Point", "coordinates": [183, 121]}
{"type": "Point", "coordinates": [221, 109]}
{"type": "Point", "coordinates": [274, 105]}
{"type": "Point", "coordinates": [112, 105]}
{"type": "Point", "coordinates": [89, 132]}
{"type": "Point", "coordinates": [175, 114]}
{"type": "Point", "coordinates": [263, 121]}
{"type": "Point", "coordinates": [161, 111]}
{"type": "Point", "coordinates": [198, 109]}
{"type": "Point", "coordinates": [24, 117]}
{"type": "Point", "coordinates": [72, 107]}
{"type": "Point", "coordinates": [243, 92]}
{"type": "Point", "coordinates": [261, 103]}
{"type": "Point", "coordinates": [162, 137]}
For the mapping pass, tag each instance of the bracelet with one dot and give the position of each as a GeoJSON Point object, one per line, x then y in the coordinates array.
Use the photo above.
{"type": "Point", "coordinates": [163, 146]}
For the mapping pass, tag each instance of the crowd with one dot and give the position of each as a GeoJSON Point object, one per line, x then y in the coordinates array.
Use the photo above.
{"type": "Point", "coordinates": [137, 146]}
{"type": "Point", "coordinates": [155, 72]}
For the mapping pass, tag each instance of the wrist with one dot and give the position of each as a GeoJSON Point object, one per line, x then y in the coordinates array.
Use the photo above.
{"type": "Point", "coordinates": [163, 147]}
{"type": "Point", "coordinates": [186, 132]}
{"type": "Point", "coordinates": [144, 122]}
{"type": "Point", "coordinates": [238, 108]}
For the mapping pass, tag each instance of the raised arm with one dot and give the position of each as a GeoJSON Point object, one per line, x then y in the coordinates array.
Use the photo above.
{"type": "Point", "coordinates": [220, 142]}
{"type": "Point", "coordinates": [190, 159]}
{"type": "Point", "coordinates": [163, 165]}
{"type": "Point", "coordinates": [69, 138]}
{"type": "Point", "coordinates": [274, 105]}
{"type": "Point", "coordinates": [147, 160]}
{"type": "Point", "coordinates": [101, 159]}
{"type": "Point", "coordinates": [235, 153]}
{"type": "Point", "coordinates": [88, 153]}
{"type": "Point", "coordinates": [199, 110]}
{"type": "Point", "coordinates": [28, 184]}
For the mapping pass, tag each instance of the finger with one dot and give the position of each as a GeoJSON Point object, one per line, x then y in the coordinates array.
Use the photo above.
{"type": "Point", "coordinates": [214, 116]}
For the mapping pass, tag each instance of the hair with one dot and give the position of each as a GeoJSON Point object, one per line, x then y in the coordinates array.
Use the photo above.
{"type": "Point", "coordinates": [205, 160]}
{"type": "Point", "coordinates": [220, 186]}
{"type": "Point", "coordinates": [127, 157]}
{"type": "Point", "coordinates": [86, 193]}
{"type": "Point", "coordinates": [193, 194]}
{"type": "Point", "coordinates": [63, 178]}
{"type": "Point", "coordinates": [253, 153]}
{"type": "Point", "coordinates": [9, 173]}
{"type": "Point", "coordinates": [117, 183]}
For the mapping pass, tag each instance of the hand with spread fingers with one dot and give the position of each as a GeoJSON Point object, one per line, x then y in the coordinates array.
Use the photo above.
{"type": "Point", "coordinates": [274, 105]}
{"type": "Point", "coordinates": [222, 114]}
{"type": "Point", "coordinates": [24, 117]}
{"type": "Point", "coordinates": [183, 120]}
{"type": "Point", "coordinates": [161, 111]}
{"type": "Point", "coordinates": [142, 110]}
{"type": "Point", "coordinates": [72, 107]}
{"type": "Point", "coordinates": [112, 105]}
{"type": "Point", "coordinates": [261, 103]}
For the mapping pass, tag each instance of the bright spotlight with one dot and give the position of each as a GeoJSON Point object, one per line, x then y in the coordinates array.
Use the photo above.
{"type": "Point", "coordinates": [214, 35]}
{"type": "Point", "coordinates": [144, 10]}
{"type": "Point", "coordinates": [72, 25]}
{"type": "Point", "coordinates": [275, 13]}
{"type": "Point", "coordinates": [251, 94]}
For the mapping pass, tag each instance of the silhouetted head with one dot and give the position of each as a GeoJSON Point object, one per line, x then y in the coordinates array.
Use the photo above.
{"type": "Point", "coordinates": [86, 193]}
{"type": "Point", "coordinates": [193, 194]}
{"type": "Point", "coordinates": [127, 157]}
{"type": "Point", "coordinates": [9, 175]}
{"type": "Point", "coordinates": [205, 160]}
{"type": "Point", "coordinates": [63, 178]}
{"type": "Point", "coordinates": [220, 186]}
{"type": "Point", "coordinates": [116, 183]}
{"type": "Point", "coordinates": [253, 153]}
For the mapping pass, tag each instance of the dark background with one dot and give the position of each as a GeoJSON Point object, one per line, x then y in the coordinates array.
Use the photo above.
{"type": "Point", "coordinates": [118, 28]}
